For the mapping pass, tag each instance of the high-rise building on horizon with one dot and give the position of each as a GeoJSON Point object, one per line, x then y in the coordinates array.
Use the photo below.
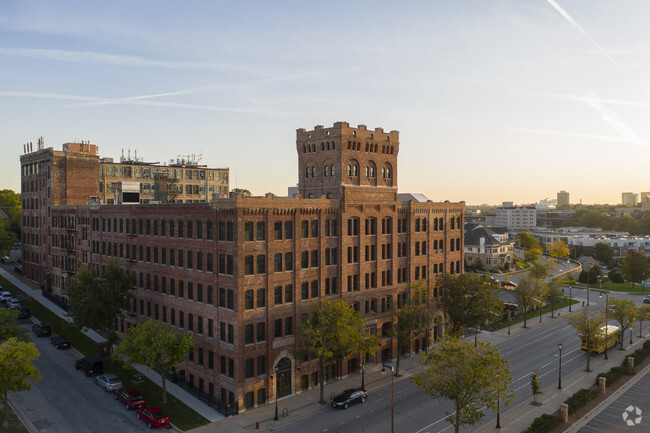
{"type": "Point", "coordinates": [563, 199]}
{"type": "Point", "coordinates": [628, 199]}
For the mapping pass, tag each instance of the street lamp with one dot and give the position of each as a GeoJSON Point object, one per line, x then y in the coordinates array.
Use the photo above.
{"type": "Point", "coordinates": [509, 320]}
{"type": "Point", "coordinates": [392, 393]}
{"type": "Point", "coordinates": [606, 322]}
{"type": "Point", "coordinates": [363, 373]}
{"type": "Point", "coordinates": [570, 297]}
{"type": "Point", "coordinates": [275, 418]}
{"type": "Point", "coordinates": [559, 378]}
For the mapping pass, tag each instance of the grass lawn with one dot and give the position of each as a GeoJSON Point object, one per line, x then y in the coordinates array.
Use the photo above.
{"type": "Point", "coordinates": [534, 314]}
{"type": "Point", "coordinates": [180, 414]}
{"type": "Point", "coordinates": [625, 287]}
{"type": "Point", "coordinates": [14, 425]}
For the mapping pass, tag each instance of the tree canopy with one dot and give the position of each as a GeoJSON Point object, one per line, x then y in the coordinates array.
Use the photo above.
{"type": "Point", "coordinates": [155, 345]}
{"type": "Point", "coordinates": [588, 325]}
{"type": "Point", "coordinates": [98, 303]}
{"type": "Point", "coordinates": [17, 373]}
{"type": "Point", "coordinates": [529, 293]}
{"type": "Point", "coordinates": [624, 312]}
{"type": "Point", "coordinates": [244, 192]}
{"type": "Point", "coordinates": [471, 377]}
{"type": "Point", "coordinates": [8, 326]}
{"type": "Point", "coordinates": [603, 253]}
{"type": "Point", "coordinates": [634, 267]}
{"type": "Point", "coordinates": [332, 332]}
{"type": "Point", "coordinates": [10, 203]}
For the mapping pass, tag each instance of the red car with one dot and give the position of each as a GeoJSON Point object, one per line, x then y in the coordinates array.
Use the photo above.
{"type": "Point", "coordinates": [153, 416]}
{"type": "Point", "coordinates": [131, 398]}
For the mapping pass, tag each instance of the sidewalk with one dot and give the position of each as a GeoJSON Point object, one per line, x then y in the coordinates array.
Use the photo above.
{"type": "Point", "coordinates": [184, 396]}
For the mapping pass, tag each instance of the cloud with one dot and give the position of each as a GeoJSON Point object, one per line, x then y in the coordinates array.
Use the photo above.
{"type": "Point", "coordinates": [610, 138]}
{"type": "Point", "coordinates": [577, 26]}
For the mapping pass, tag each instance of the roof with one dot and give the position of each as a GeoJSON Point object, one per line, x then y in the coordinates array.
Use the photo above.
{"type": "Point", "coordinates": [473, 236]}
{"type": "Point", "coordinates": [420, 198]}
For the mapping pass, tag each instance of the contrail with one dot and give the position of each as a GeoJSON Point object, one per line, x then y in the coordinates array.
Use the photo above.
{"type": "Point", "coordinates": [577, 26]}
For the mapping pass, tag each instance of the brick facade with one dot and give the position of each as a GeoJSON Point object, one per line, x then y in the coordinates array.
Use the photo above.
{"type": "Point", "coordinates": [240, 273]}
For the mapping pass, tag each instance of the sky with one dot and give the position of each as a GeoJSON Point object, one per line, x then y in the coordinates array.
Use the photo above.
{"type": "Point", "coordinates": [495, 100]}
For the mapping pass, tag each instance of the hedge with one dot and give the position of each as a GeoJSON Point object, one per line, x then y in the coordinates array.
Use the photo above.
{"type": "Point", "coordinates": [579, 399]}
{"type": "Point", "coordinates": [544, 424]}
{"type": "Point", "coordinates": [614, 374]}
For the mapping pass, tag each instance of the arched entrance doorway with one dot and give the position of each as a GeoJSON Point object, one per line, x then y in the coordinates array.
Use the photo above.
{"type": "Point", "coordinates": [283, 372]}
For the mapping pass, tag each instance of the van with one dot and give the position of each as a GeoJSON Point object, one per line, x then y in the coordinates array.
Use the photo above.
{"type": "Point", "coordinates": [90, 365]}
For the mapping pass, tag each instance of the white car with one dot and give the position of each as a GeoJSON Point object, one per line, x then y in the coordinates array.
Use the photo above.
{"type": "Point", "coordinates": [14, 303]}
{"type": "Point", "coordinates": [5, 297]}
{"type": "Point", "coordinates": [109, 382]}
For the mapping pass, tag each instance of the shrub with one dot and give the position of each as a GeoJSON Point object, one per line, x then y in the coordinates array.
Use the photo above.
{"type": "Point", "coordinates": [614, 374]}
{"type": "Point", "coordinates": [544, 424]}
{"type": "Point", "coordinates": [579, 399]}
{"type": "Point", "coordinates": [615, 276]}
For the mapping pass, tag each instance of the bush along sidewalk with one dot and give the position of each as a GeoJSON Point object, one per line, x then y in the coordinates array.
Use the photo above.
{"type": "Point", "coordinates": [544, 424]}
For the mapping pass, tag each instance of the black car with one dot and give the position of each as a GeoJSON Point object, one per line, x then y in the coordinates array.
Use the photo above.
{"type": "Point", "coordinates": [646, 300]}
{"type": "Point", "coordinates": [90, 365]}
{"type": "Point", "coordinates": [41, 329]}
{"type": "Point", "coordinates": [348, 397]}
{"type": "Point", "coordinates": [60, 342]}
{"type": "Point", "coordinates": [24, 313]}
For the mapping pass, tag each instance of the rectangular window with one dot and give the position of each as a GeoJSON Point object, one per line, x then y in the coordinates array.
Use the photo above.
{"type": "Point", "coordinates": [248, 231]}
{"type": "Point", "coordinates": [288, 261]}
{"type": "Point", "coordinates": [249, 299]}
{"type": "Point", "coordinates": [277, 262]}
{"type": "Point", "coordinates": [314, 289]}
{"type": "Point", "coordinates": [288, 293]}
{"type": "Point", "coordinates": [261, 331]}
{"type": "Point", "coordinates": [248, 334]}
{"type": "Point", "coordinates": [261, 264]}
{"type": "Point", "coordinates": [314, 259]}
{"type": "Point", "coordinates": [277, 328]}
{"type": "Point", "coordinates": [304, 259]}
{"type": "Point", "coordinates": [304, 227]}
{"type": "Point", "coordinates": [288, 326]}
{"type": "Point", "coordinates": [314, 228]}
{"type": "Point", "coordinates": [288, 230]}
{"type": "Point", "coordinates": [304, 290]}
{"type": "Point", "coordinates": [261, 298]}
{"type": "Point", "coordinates": [277, 295]}
{"type": "Point", "coordinates": [249, 367]}
{"type": "Point", "coordinates": [248, 265]}
{"type": "Point", "coordinates": [261, 231]}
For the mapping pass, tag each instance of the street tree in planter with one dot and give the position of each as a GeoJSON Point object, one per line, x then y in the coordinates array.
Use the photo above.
{"type": "Point", "coordinates": [471, 377]}
{"type": "Point", "coordinates": [536, 386]}
{"type": "Point", "coordinates": [634, 267]}
{"type": "Point", "coordinates": [332, 332]}
{"type": "Point", "coordinates": [588, 325]}
{"type": "Point", "coordinates": [529, 293]}
{"type": "Point", "coordinates": [554, 296]}
{"type": "Point", "coordinates": [17, 373]}
{"type": "Point", "coordinates": [625, 313]}
{"type": "Point", "coordinates": [642, 313]}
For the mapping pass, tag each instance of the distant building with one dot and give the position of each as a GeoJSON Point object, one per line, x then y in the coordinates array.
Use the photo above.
{"type": "Point", "coordinates": [492, 248]}
{"type": "Point", "coordinates": [629, 199]}
{"type": "Point", "coordinates": [515, 218]}
{"type": "Point", "coordinates": [644, 197]}
{"type": "Point", "coordinates": [563, 199]}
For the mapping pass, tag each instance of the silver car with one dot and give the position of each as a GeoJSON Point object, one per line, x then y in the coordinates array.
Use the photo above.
{"type": "Point", "coordinates": [14, 303]}
{"type": "Point", "coordinates": [109, 382]}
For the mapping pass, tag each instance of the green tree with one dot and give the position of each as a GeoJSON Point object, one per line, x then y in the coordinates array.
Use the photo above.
{"type": "Point", "coordinates": [603, 253]}
{"type": "Point", "coordinates": [155, 345]}
{"type": "Point", "coordinates": [554, 296]}
{"type": "Point", "coordinates": [536, 386]}
{"type": "Point", "coordinates": [333, 331]}
{"type": "Point", "coordinates": [588, 325]}
{"type": "Point", "coordinates": [7, 237]}
{"type": "Point", "coordinates": [468, 300]}
{"type": "Point", "coordinates": [244, 192]}
{"type": "Point", "coordinates": [527, 241]}
{"type": "Point", "coordinates": [98, 303]}
{"type": "Point", "coordinates": [410, 317]}
{"type": "Point", "coordinates": [17, 373]}
{"type": "Point", "coordinates": [471, 377]}
{"type": "Point", "coordinates": [8, 326]}
{"type": "Point", "coordinates": [557, 249]}
{"type": "Point", "coordinates": [529, 293]}
{"type": "Point", "coordinates": [634, 267]}
{"type": "Point", "coordinates": [642, 313]}
{"type": "Point", "coordinates": [485, 308]}
{"type": "Point", "coordinates": [624, 312]}
{"type": "Point", "coordinates": [10, 203]}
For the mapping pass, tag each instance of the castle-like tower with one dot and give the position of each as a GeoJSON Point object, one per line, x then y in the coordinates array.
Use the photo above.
{"type": "Point", "coordinates": [330, 158]}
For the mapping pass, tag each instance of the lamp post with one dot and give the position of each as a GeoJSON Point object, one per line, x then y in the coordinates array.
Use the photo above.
{"type": "Point", "coordinates": [363, 374]}
{"type": "Point", "coordinates": [392, 393]}
{"type": "Point", "coordinates": [570, 297]}
{"type": "Point", "coordinates": [606, 322]}
{"type": "Point", "coordinates": [509, 320]}
{"type": "Point", "coordinates": [498, 411]}
{"type": "Point", "coordinates": [275, 418]}
{"type": "Point", "coordinates": [559, 377]}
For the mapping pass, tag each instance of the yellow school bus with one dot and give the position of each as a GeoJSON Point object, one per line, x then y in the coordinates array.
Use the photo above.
{"type": "Point", "coordinates": [609, 338]}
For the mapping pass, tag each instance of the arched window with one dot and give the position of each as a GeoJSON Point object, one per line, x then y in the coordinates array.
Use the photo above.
{"type": "Point", "coordinates": [304, 149]}
{"type": "Point", "coordinates": [322, 146]}
{"type": "Point", "coordinates": [355, 170]}
{"type": "Point", "coordinates": [388, 173]}
{"type": "Point", "coordinates": [332, 173]}
{"type": "Point", "coordinates": [367, 171]}
{"type": "Point", "coordinates": [372, 171]}
{"type": "Point", "coordinates": [366, 147]}
{"type": "Point", "coordinates": [383, 172]}
{"type": "Point", "coordinates": [328, 145]}
{"type": "Point", "coordinates": [313, 172]}
{"type": "Point", "coordinates": [333, 146]}
{"type": "Point", "coordinates": [349, 145]}
{"type": "Point", "coordinates": [349, 170]}
{"type": "Point", "coordinates": [307, 172]}
{"type": "Point", "coordinates": [326, 170]}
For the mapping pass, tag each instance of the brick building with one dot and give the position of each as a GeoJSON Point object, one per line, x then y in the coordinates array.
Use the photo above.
{"type": "Point", "coordinates": [239, 273]}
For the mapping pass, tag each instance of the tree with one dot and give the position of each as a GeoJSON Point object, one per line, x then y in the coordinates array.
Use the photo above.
{"type": "Point", "coordinates": [98, 303]}
{"type": "Point", "coordinates": [471, 377]}
{"type": "Point", "coordinates": [411, 317]}
{"type": "Point", "coordinates": [10, 203]}
{"type": "Point", "coordinates": [8, 326]}
{"type": "Point", "coordinates": [624, 312]}
{"type": "Point", "coordinates": [334, 331]}
{"type": "Point", "coordinates": [243, 192]}
{"type": "Point", "coordinates": [530, 245]}
{"type": "Point", "coordinates": [468, 299]}
{"type": "Point", "coordinates": [642, 313]}
{"type": "Point", "coordinates": [634, 267]}
{"type": "Point", "coordinates": [529, 293]}
{"type": "Point", "coordinates": [536, 386]}
{"type": "Point", "coordinates": [7, 237]}
{"type": "Point", "coordinates": [603, 253]}
{"type": "Point", "coordinates": [155, 345]}
{"type": "Point", "coordinates": [554, 296]}
{"type": "Point", "coordinates": [17, 373]}
{"type": "Point", "coordinates": [557, 249]}
{"type": "Point", "coordinates": [588, 325]}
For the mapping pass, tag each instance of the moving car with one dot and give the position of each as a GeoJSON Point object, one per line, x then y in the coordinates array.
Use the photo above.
{"type": "Point", "coordinates": [60, 342]}
{"type": "Point", "coordinates": [153, 416]}
{"type": "Point", "coordinates": [90, 365]}
{"type": "Point", "coordinates": [130, 398]}
{"type": "Point", "coordinates": [41, 329]}
{"type": "Point", "coordinates": [349, 397]}
{"type": "Point", "coordinates": [109, 382]}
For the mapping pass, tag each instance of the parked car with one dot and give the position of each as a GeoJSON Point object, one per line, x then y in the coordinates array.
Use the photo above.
{"type": "Point", "coordinates": [511, 284]}
{"type": "Point", "coordinates": [130, 398]}
{"type": "Point", "coordinates": [18, 269]}
{"type": "Point", "coordinates": [41, 329]}
{"type": "Point", "coordinates": [109, 382]}
{"type": "Point", "coordinates": [349, 397]}
{"type": "Point", "coordinates": [24, 313]}
{"type": "Point", "coordinates": [5, 297]}
{"type": "Point", "coordinates": [60, 342]}
{"type": "Point", "coordinates": [14, 303]}
{"type": "Point", "coordinates": [646, 300]}
{"type": "Point", "coordinates": [90, 365]}
{"type": "Point", "coordinates": [153, 416]}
